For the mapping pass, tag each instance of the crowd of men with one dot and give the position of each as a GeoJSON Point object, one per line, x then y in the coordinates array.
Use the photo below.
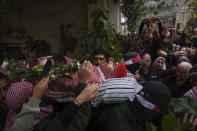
{"type": "Point", "coordinates": [107, 95]}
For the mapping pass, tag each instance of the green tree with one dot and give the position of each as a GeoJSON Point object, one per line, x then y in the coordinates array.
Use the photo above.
{"type": "Point", "coordinates": [133, 11]}
{"type": "Point", "coordinates": [101, 33]}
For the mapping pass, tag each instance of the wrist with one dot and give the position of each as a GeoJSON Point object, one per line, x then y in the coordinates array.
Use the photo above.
{"type": "Point", "coordinates": [84, 81]}
{"type": "Point", "coordinates": [78, 102]}
{"type": "Point", "coordinates": [36, 97]}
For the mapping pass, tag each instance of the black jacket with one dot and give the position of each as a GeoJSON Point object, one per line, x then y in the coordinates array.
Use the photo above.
{"type": "Point", "coordinates": [177, 91]}
{"type": "Point", "coordinates": [3, 115]}
{"type": "Point", "coordinates": [70, 118]}
{"type": "Point", "coordinates": [127, 116]}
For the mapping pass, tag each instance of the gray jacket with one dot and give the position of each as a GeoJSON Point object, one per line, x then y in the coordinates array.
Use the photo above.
{"type": "Point", "coordinates": [25, 119]}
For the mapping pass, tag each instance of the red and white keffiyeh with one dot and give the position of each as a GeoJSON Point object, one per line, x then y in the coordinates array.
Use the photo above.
{"type": "Point", "coordinates": [68, 59]}
{"type": "Point", "coordinates": [16, 96]}
{"type": "Point", "coordinates": [108, 74]}
{"type": "Point", "coordinates": [64, 84]}
{"type": "Point", "coordinates": [132, 60]}
{"type": "Point", "coordinates": [62, 90]}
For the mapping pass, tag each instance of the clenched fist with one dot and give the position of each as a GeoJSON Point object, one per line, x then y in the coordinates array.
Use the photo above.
{"type": "Point", "coordinates": [40, 88]}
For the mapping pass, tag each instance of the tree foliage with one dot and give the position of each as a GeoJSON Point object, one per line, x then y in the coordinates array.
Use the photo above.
{"type": "Point", "coordinates": [170, 123]}
{"type": "Point", "coordinates": [133, 11]}
{"type": "Point", "coordinates": [101, 33]}
{"type": "Point", "coordinates": [20, 72]}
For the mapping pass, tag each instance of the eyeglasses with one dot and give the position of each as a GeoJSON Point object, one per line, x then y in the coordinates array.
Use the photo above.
{"type": "Point", "coordinates": [101, 59]}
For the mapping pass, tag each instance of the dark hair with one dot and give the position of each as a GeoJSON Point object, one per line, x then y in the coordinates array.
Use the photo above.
{"type": "Point", "coordinates": [100, 51]}
{"type": "Point", "coordinates": [2, 76]}
{"type": "Point", "coordinates": [144, 53]}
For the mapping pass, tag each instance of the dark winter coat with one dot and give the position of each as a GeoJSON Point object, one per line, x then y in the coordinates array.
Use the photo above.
{"type": "Point", "coordinates": [177, 91]}
{"type": "Point", "coordinates": [71, 117]}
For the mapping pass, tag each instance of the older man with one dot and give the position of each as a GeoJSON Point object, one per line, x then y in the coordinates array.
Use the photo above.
{"type": "Point", "coordinates": [145, 71]}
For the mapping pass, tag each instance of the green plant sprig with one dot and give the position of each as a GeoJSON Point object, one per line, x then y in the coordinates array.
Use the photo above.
{"type": "Point", "coordinates": [20, 73]}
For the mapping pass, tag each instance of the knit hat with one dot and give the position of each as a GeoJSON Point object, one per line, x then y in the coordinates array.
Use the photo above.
{"type": "Point", "coordinates": [183, 59]}
{"type": "Point", "coordinates": [182, 53]}
{"type": "Point", "coordinates": [133, 61]}
{"type": "Point", "coordinates": [157, 94]}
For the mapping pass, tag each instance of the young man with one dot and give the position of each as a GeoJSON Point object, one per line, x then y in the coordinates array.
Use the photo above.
{"type": "Point", "coordinates": [100, 57]}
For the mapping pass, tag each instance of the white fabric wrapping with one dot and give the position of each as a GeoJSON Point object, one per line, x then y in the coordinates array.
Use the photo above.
{"type": "Point", "coordinates": [116, 90]}
{"type": "Point", "coordinates": [145, 102]}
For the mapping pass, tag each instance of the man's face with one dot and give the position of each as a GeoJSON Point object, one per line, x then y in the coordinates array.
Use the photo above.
{"type": "Point", "coordinates": [183, 49]}
{"type": "Point", "coordinates": [147, 58]}
{"type": "Point", "coordinates": [180, 74]}
{"type": "Point", "coordinates": [3, 89]}
{"type": "Point", "coordinates": [99, 59]}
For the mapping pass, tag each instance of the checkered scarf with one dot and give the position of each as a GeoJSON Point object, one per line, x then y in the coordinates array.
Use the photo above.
{"type": "Point", "coordinates": [62, 90]}
{"type": "Point", "coordinates": [108, 74]}
{"type": "Point", "coordinates": [64, 84]}
{"type": "Point", "coordinates": [16, 96]}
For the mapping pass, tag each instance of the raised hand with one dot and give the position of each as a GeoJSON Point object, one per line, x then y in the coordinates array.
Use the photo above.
{"type": "Point", "coordinates": [192, 119]}
{"type": "Point", "coordinates": [88, 93]}
{"type": "Point", "coordinates": [110, 64]}
{"type": "Point", "coordinates": [40, 88]}
{"type": "Point", "coordinates": [85, 72]}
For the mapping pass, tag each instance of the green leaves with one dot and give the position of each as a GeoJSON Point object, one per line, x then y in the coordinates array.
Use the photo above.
{"type": "Point", "coordinates": [170, 123]}
{"type": "Point", "coordinates": [150, 127]}
{"type": "Point", "coordinates": [185, 105]}
{"type": "Point", "coordinates": [18, 72]}
{"type": "Point", "coordinates": [133, 11]}
{"type": "Point", "coordinates": [101, 33]}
